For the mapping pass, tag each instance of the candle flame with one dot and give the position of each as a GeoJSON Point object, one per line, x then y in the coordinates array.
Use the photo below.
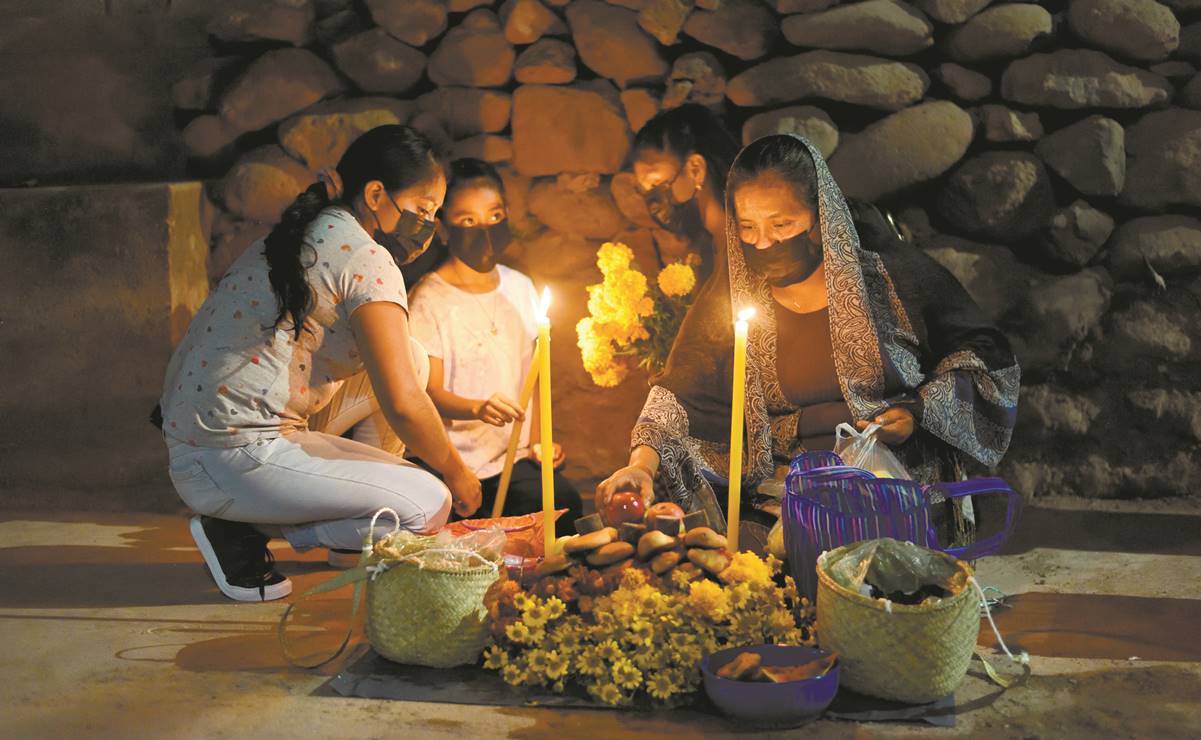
{"type": "Point", "coordinates": [544, 306]}
{"type": "Point", "coordinates": [746, 313]}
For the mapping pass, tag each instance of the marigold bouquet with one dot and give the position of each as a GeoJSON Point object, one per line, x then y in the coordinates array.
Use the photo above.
{"type": "Point", "coordinates": [628, 316]}
{"type": "Point", "coordinates": [625, 635]}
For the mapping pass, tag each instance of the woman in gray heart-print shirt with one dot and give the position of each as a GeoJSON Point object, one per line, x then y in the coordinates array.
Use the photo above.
{"type": "Point", "coordinates": [306, 335]}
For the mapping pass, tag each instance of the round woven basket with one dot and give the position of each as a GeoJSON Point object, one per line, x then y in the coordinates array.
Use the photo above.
{"type": "Point", "coordinates": [431, 617]}
{"type": "Point", "coordinates": [915, 654]}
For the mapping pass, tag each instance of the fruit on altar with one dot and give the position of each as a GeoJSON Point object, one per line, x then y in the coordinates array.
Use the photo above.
{"type": "Point", "coordinates": [624, 506]}
{"type": "Point", "coordinates": [775, 542]}
{"type": "Point", "coordinates": [664, 508]}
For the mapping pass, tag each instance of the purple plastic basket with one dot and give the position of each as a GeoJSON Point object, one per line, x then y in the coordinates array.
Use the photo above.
{"type": "Point", "coordinates": [834, 505]}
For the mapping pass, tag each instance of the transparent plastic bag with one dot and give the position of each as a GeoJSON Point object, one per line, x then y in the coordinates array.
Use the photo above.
{"type": "Point", "coordinates": [444, 551]}
{"type": "Point", "coordinates": [900, 571]}
{"type": "Point", "coordinates": [864, 450]}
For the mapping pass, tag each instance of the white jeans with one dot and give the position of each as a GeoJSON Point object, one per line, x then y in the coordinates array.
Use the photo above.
{"type": "Point", "coordinates": [320, 488]}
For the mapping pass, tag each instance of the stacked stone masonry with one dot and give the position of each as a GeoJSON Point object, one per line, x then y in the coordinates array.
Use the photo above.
{"type": "Point", "coordinates": [1048, 154]}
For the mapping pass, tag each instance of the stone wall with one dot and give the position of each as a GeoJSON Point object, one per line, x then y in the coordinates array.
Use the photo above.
{"type": "Point", "coordinates": [85, 88]}
{"type": "Point", "coordinates": [86, 330]}
{"type": "Point", "coordinates": [1048, 154]}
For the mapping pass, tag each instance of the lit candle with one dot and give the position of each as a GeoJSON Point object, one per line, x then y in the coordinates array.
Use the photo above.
{"type": "Point", "coordinates": [737, 409]}
{"type": "Point", "coordinates": [506, 473]}
{"type": "Point", "coordinates": [548, 445]}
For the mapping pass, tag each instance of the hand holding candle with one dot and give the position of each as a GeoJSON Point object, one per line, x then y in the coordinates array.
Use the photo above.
{"type": "Point", "coordinates": [548, 464]}
{"type": "Point", "coordinates": [737, 410]}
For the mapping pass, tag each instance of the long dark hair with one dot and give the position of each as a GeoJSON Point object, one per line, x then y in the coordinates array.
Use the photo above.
{"type": "Point", "coordinates": [784, 156]}
{"type": "Point", "coordinates": [691, 129]}
{"type": "Point", "coordinates": [398, 156]}
{"type": "Point", "coordinates": [469, 171]}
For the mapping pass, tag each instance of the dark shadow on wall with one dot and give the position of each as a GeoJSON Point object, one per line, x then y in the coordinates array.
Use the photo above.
{"type": "Point", "coordinates": [86, 96]}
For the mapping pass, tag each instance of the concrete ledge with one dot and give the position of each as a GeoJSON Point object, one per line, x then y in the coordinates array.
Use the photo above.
{"type": "Point", "coordinates": [98, 283]}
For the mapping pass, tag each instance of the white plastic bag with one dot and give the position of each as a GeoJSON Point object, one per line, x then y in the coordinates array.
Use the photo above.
{"type": "Point", "coordinates": [864, 450]}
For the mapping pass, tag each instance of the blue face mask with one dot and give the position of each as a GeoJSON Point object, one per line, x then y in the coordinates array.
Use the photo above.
{"type": "Point", "coordinates": [410, 238]}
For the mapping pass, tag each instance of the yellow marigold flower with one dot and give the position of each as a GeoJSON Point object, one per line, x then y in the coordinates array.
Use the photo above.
{"type": "Point", "coordinates": [608, 651]}
{"type": "Point", "coordinates": [746, 567]}
{"type": "Point", "coordinates": [613, 257]}
{"type": "Point", "coordinates": [513, 674]}
{"type": "Point", "coordinates": [495, 658]}
{"type": "Point", "coordinates": [609, 694]}
{"type": "Point", "coordinates": [781, 622]}
{"type": "Point", "coordinates": [707, 599]}
{"type": "Point", "coordinates": [739, 594]}
{"type": "Point", "coordinates": [633, 578]}
{"type": "Point", "coordinates": [523, 601]}
{"type": "Point", "coordinates": [677, 280]}
{"type": "Point", "coordinates": [610, 377]}
{"type": "Point", "coordinates": [626, 674]}
{"type": "Point", "coordinates": [556, 665]}
{"type": "Point", "coordinates": [535, 617]}
{"type": "Point", "coordinates": [660, 686]}
{"type": "Point", "coordinates": [555, 607]}
{"type": "Point", "coordinates": [589, 663]}
{"type": "Point", "coordinates": [641, 632]}
{"type": "Point", "coordinates": [646, 306]}
{"type": "Point", "coordinates": [518, 632]}
{"type": "Point", "coordinates": [536, 659]}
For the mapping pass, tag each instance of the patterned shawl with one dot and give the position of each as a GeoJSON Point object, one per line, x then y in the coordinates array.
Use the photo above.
{"type": "Point", "coordinates": [904, 331]}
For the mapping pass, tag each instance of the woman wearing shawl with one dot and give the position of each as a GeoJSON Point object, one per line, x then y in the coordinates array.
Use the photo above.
{"type": "Point", "coordinates": [851, 325]}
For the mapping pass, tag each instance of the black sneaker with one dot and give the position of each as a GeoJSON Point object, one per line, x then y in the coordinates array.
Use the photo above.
{"type": "Point", "coordinates": [238, 559]}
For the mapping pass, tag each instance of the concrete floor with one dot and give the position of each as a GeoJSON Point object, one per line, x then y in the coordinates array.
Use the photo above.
{"type": "Point", "coordinates": [112, 629]}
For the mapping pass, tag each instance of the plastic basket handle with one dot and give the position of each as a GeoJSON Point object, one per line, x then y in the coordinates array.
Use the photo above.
{"type": "Point", "coordinates": [977, 487]}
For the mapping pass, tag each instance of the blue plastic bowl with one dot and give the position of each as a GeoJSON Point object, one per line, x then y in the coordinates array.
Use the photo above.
{"type": "Point", "coordinates": [775, 705]}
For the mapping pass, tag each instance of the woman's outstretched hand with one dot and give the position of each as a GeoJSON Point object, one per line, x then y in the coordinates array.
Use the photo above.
{"type": "Point", "coordinates": [498, 410]}
{"type": "Point", "coordinates": [536, 454]}
{"type": "Point", "coordinates": [634, 478]}
{"type": "Point", "coordinates": [465, 491]}
{"type": "Point", "coordinates": [896, 426]}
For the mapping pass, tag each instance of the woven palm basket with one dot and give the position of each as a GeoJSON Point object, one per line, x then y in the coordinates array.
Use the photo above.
{"type": "Point", "coordinates": [427, 616]}
{"type": "Point", "coordinates": [915, 654]}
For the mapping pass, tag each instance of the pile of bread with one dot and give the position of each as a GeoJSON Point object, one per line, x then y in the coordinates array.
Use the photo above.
{"type": "Point", "coordinates": [663, 544]}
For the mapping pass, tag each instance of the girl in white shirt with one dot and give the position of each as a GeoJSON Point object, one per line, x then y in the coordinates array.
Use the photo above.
{"type": "Point", "coordinates": [476, 318]}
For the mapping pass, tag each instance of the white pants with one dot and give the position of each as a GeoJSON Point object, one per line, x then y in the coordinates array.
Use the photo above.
{"type": "Point", "coordinates": [321, 489]}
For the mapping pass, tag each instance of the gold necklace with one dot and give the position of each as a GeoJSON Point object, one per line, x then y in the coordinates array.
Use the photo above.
{"type": "Point", "coordinates": [480, 304]}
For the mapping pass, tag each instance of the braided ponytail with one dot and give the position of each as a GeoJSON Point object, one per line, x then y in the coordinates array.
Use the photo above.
{"type": "Point", "coordinates": [286, 269]}
{"type": "Point", "coordinates": [398, 156]}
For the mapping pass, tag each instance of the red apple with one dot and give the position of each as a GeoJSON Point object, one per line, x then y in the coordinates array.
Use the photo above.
{"type": "Point", "coordinates": [663, 508]}
{"type": "Point", "coordinates": [625, 506]}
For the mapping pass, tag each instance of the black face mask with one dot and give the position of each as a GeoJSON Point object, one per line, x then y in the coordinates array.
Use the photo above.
{"type": "Point", "coordinates": [785, 263]}
{"type": "Point", "coordinates": [479, 246]}
{"type": "Point", "coordinates": [663, 207]}
{"type": "Point", "coordinates": [410, 238]}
